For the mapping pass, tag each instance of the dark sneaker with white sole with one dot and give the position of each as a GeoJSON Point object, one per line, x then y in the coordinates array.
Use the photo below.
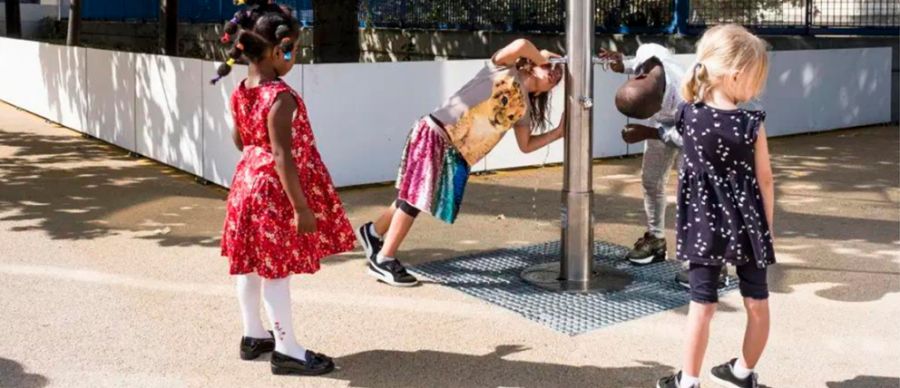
{"type": "Point", "coordinates": [724, 375]}
{"type": "Point", "coordinates": [648, 250]}
{"type": "Point", "coordinates": [371, 244]}
{"type": "Point", "coordinates": [683, 278]}
{"type": "Point", "coordinates": [672, 381]}
{"type": "Point", "coordinates": [392, 273]}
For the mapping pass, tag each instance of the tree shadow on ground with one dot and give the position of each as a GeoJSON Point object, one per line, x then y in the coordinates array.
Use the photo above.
{"type": "Point", "coordinates": [12, 374]}
{"type": "Point", "coordinates": [428, 368]}
{"type": "Point", "coordinates": [866, 382]}
{"type": "Point", "coordinates": [75, 189]}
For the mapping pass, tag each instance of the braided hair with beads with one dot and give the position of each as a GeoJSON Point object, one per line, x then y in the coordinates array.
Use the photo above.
{"type": "Point", "coordinates": [263, 25]}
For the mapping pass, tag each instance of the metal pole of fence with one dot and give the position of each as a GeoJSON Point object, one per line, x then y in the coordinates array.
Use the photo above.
{"type": "Point", "coordinates": [168, 19]}
{"type": "Point", "coordinates": [807, 25]}
{"type": "Point", "coordinates": [73, 37]}
{"type": "Point", "coordinates": [682, 12]}
{"type": "Point", "coordinates": [13, 19]}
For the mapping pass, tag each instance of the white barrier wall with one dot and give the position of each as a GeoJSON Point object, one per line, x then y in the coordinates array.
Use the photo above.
{"type": "Point", "coordinates": [168, 111]}
{"type": "Point", "coordinates": [164, 107]}
{"type": "Point", "coordinates": [361, 115]}
{"type": "Point", "coordinates": [220, 155]}
{"type": "Point", "coordinates": [111, 97]}
{"type": "Point", "coordinates": [813, 90]}
{"type": "Point", "coordinates": [64, 71]}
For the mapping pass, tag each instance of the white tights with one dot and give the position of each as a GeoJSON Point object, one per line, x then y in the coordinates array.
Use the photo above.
{"type": "Point", "coordinates": [276, 294]}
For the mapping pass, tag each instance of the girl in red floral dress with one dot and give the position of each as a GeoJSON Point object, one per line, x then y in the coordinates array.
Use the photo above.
{"type": "Point", "coordinates": [284, 214]}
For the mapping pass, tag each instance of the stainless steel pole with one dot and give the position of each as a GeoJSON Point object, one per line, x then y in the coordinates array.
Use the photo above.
{"type": "Point", "coordinates": [576, 271]}
{"type": "Point", "coordinates": [577, 264]}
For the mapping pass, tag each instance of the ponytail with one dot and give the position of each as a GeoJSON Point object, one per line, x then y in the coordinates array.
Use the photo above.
{"type": "Point", "coordinates": [695, 87]}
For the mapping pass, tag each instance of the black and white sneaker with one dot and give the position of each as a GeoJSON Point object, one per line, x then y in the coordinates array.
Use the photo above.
{"type": "Point", "coordinates": [371, 244]}
{"type": "Point", "coordinates": [724, 375]}
{"type": "Point", "coordinates": [683, 278]}
{"type": "Point", "coordinates": [648, 250]}
{"type": "Point", "coordinates": [672, 381]}
{"type": "Point", "coordinates": [392, 273]}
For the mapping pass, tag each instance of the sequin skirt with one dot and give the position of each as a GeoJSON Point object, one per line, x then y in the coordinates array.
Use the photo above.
{"type": "Point", "coordinates": [433, 174]}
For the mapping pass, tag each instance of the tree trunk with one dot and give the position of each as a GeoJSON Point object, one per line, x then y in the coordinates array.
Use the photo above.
{"type": "Point", "coordinates": [13, 19]}
{"type": "Point", "coordinates": [73, 38]}
{"type": "Point", "coordinates": [168, 25]}
{"type": "Point", "coordinates": [336, 31]}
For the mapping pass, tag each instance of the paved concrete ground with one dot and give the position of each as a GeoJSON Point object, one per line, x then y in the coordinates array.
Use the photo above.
{"type": "Point", "coordinates": [110, 276]}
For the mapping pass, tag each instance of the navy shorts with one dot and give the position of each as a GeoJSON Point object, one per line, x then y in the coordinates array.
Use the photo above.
{"type": "Point", "coordinates": [705, 282]}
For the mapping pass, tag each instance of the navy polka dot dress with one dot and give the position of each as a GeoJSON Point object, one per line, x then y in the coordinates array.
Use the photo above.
{"type": "Point", "coordinates": [720, 216]}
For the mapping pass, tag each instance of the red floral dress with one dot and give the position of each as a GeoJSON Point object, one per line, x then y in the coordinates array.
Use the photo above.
{"type": "Point", "coordinates": [260, 234]}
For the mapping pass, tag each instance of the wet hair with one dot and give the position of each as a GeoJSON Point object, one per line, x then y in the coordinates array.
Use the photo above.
{"type": "Point", "coordinates": [539, 106]}
{"type": "Point", "coordinates": [538, 102]}
{"type": "Point", "coordinates": [253, 31]}
{"type": "Point", "coordinates": [640, 99]}
{"type": "Point", "coordinates": [723, 51]}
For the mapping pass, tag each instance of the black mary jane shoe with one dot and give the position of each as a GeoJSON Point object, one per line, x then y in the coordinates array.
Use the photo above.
{"type": "Point", "coordinates": [252, 348]}
{"type": "Point", "coordinates": [316, 364]}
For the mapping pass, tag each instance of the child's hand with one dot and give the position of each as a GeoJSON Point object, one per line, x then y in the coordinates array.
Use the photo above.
{"type": "Point", "coordinates": [616, 60]}
{"type": "Point", "coordinates": [547, 54]}
{"type": "Point", "coordinates": [305, 220]}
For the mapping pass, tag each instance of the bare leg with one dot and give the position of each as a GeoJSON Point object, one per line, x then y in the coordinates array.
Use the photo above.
{"type": "Point", "coordinates": [401, 223]}
{"type": "Point", "coordinates": [384, 221]}
{"type": "Point", "coordinates": [699, 316]}
{"type": "Point", "coordinates": [757, 333]}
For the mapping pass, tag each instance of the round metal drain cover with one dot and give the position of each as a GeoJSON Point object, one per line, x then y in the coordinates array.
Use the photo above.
{"type": "Point", "coordinates": [604, 279]}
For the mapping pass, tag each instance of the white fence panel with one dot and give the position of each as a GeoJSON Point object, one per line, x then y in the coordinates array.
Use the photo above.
{"type": "Point", "coordinates": [169, 111]}
{"type": "Point", "coordinates": [111, 97]}
{"type": "Point", "coordinates": [220, 156]}
{"type": "Point", "coordinates": [164, 108]}
{"type": "Point", "coordinates": [362, 113]}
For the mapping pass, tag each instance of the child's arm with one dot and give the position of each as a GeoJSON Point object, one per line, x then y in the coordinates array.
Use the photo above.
{"type": "Point", "coordinates": [616, 61]}
{"type": "Point", "coordinates": [236, 137]}
{"type": "Point", "coordinates": [764, 177]}
{"type": "Point", "coordinates": [519, 48]}
{"type": "Point", "coordinates": [529, 143]}
{"type": "Point", "coordinates": [281, 117]}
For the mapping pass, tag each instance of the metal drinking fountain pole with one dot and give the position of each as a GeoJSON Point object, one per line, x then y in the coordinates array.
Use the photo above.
{"type": "Point", "coordinates": [577, 262]}
{"type": "Point", "coordinates": [576, 271]}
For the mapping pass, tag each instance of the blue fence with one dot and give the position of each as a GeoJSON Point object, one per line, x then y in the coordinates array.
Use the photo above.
{"type": "Point", "coordinates": [219, 10]}
{"type": "Point", "coordinates": [880, 17]}
{"type": "Point", "coordinates": [188, 10]}
{"type": "Point", "coordinates": [120, 10]}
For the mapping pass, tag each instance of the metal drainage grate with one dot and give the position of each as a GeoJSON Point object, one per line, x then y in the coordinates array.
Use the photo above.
{"type": "Point", "coordinates": [495, 277]}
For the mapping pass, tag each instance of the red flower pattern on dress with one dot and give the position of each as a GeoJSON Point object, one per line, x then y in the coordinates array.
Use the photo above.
{"type": "Point", "coordinates": [260, 234]}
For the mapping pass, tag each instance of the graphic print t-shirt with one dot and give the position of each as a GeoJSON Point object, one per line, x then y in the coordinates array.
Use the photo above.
{"type": "Point", "coordinates": [478, 115]}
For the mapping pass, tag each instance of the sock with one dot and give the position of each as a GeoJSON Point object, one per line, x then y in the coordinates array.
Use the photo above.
{"type": "Point", "coordinates": [740, 370]}
{"type": "Point", "coordinates": [277, 296]}
{"type": "Point", "coordinates": [688, 381]}
{"type": "Point", "coordinates": [383, 259]}
{"type": "Point", "coordinates": [248, 287]}
{"type": "Point", "coordinates": [375, 232]}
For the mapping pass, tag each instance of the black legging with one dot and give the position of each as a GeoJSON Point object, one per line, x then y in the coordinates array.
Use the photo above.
{"type": "Point", "coordinates": [407, 208]}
